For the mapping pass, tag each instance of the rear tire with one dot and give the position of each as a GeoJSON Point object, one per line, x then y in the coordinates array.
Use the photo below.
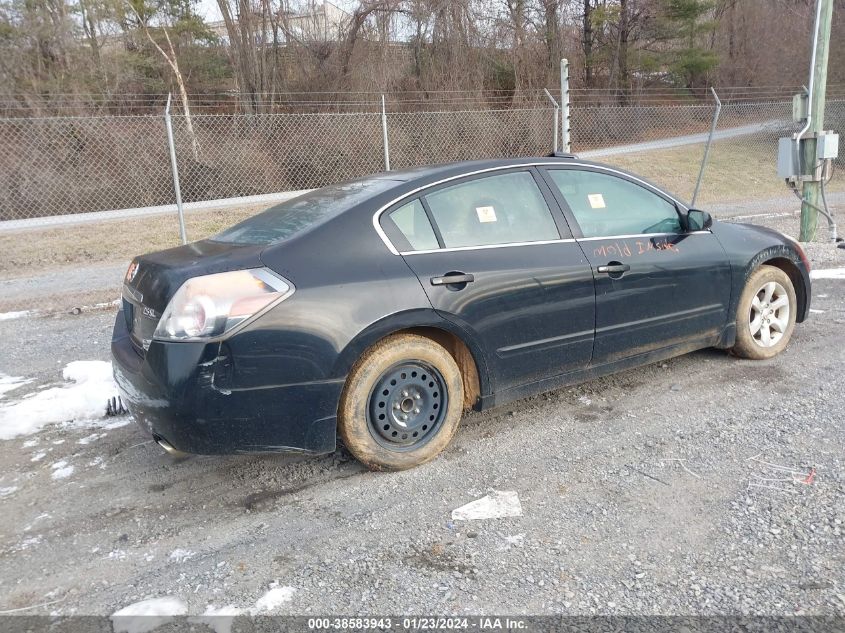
{"type": "Point", "coordinates": [765, 315]}
{"type": "Point", "coordinates": [401, 404]}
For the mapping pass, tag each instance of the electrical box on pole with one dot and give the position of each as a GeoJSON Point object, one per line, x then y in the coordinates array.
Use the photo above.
{"type": "Point", "coordinates": [799, 107]}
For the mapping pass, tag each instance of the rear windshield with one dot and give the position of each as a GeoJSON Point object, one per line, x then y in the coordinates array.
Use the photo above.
{"type": "Point", "coordinates": [299, 214]}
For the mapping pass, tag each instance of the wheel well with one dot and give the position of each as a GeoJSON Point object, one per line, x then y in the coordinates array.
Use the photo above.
{"type": "Point", "coordinates": [463, 357]}
{"type": "Point", "coordinates": [789, 267]}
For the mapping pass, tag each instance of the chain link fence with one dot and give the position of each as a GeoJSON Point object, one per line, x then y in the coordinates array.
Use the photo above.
{"type": "Point", "coordinates": [74, 166]}
{"type": "Point", "coordinates": [56, 166]}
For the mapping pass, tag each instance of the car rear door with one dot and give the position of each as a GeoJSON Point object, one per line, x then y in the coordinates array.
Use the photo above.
{"type": "Point", "coordinates": [657, 285]}
{"type": "Point", "coordinates": [494, 258]}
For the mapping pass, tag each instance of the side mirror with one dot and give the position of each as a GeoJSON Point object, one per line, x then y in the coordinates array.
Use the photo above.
{"type": "Point", "coordinates": [698, 220]}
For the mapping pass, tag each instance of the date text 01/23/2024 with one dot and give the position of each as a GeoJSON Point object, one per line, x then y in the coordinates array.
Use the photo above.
{"type": "Point", "coordinates": [417, 623]}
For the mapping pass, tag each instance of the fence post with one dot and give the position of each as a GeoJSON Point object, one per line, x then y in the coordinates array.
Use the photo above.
{"type": "Point", "coordinates": [564, 105]}
{"type": "Point", "coordinates": [557, 111]}
{"type": "Point", "coordinates": [175, 169]}
{"type": "Point", "coordinates": [384, 135]}
{"type": "Point", "coordinates": [707, 146]}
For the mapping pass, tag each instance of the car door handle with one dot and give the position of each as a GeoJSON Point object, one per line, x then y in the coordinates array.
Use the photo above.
{"type": "Point", "coordinates": [614, 268]}
{"type": "Point", "coordinates": [452, 278]}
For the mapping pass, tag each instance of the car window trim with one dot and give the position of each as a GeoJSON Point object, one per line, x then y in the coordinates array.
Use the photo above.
{"type": "Point", "coordinates": [559, 217]}
{"type": "Point", "coordinates": [527, 166]}
{"type": "Point", "coordinates": [486, 246]}
{"type": "Point", "coordinates": [441, 243]}
{"type": "Point", "coordinates": [567, 240]}
{"type": "Point", "coordinates": [392, 230]}
{"type": "Point", "coordinates": [633, 235]}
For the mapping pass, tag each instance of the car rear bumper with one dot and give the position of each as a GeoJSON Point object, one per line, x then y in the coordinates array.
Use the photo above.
{"type": "Point", "coordinates": [177, 393]}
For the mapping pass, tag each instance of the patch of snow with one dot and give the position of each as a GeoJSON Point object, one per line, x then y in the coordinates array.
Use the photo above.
{"type": "Point", "coordinates": [830, 273]}
{"type": "Point", "coordinates": [147, 615]}
{"type": "Point", "coordinates": [91, 438]}
{"type": "Point", "coordinates": [181, 555]}
{"type": "Point", "coordinates": [7, 316]}
{"type": "Point", "coordinates": [498, 504]}
{"type": "Point", "coordinates": [40, 517]}
{"type": "Point", "coordinates": [61, 470]}
{"type": "Point", "coordinates": [8, 383]}
{"type": "Point", "coordinates": [5, 492]}
{"type": "Point", "coordinates": [30, 542]}
{"type": "Point", "coordinates": [516, 539]}
{"type": "Point", "coordinates": [117, 554]}
{"type": "Point", "coordinates": [273, 599]}
{"type": "Point", "coordinates": [97, 461]}
{"type": "Point", "coordinates": [585, 400]}
{"type": "Point", "coordinates": [218, 620]}
{"type": "Point", "coordinates": [115, 423]}
{"type": "Point", "coordinates": [84, 399]}
{"type": "Point", "coordinates": [39, 456]}
{"type": "Point", "coordinates": [31, 443]}
{"type": "Point", "coordinates": [63, 473]}
{"type": "Point", "coordinates": [814, 311]}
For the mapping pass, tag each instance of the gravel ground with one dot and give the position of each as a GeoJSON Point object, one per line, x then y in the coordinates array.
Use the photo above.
{"type": "Point", "coordinates": [662, 490]}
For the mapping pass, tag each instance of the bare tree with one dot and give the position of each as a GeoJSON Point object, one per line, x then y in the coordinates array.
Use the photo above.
{"type": "Point", "coordinates": [173, 61]}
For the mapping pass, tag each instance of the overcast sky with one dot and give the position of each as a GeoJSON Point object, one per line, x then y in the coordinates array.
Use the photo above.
{"type": "Point", "coordinates": [209, 9]}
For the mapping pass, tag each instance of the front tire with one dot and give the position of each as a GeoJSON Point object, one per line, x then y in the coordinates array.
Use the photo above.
{"type": "Point", "coordinates": [401, 404]}
{"type": "Point", "coordinates": [765, 315]}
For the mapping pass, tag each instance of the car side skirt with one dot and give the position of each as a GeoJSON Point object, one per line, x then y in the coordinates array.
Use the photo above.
{"type": "Point", "coordinates": [712, 339]}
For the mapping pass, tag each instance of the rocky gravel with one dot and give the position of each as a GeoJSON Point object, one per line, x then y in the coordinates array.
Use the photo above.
{"type": "Point", "coordinates": [702, 485]}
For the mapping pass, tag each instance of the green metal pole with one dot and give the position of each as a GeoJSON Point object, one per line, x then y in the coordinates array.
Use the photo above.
{"type": "Point", "coordinates": [812, 189]}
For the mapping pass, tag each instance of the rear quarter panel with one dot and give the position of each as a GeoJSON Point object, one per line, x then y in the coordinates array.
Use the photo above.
{"type": "Point", "coordinates": [350, 291]}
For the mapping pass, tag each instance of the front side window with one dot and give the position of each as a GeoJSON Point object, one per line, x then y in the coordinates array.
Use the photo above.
{"type": "Point", "coordinates": [606, 205]}
{"type": "Point", "coordinates": [500, 209]}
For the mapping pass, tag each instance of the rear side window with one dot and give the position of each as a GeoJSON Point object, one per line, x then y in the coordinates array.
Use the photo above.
{"type": "Point", "coordinates": [606, 205]}
{"type": "Point", "coordinates": [412, 222]}
{"type": "Point", "coordinates": [499, 209]}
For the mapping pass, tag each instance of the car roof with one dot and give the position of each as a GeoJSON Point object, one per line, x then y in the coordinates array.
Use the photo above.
{"type": "Point", "coordinates": [441, 169]}
{"type": "Point", "coordinates": [420, 177]}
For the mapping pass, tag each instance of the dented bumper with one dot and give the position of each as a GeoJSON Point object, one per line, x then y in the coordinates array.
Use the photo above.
{"type": "Point", "coordinates": [183, 393]}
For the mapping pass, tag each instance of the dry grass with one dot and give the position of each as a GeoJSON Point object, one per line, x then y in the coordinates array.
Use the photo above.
{"type": "Point", "coordinates": [736, 171]}
{"type": "Point", "coordinates": [33, 250]}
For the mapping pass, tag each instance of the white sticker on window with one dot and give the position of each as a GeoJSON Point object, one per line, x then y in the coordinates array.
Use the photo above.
{"type": "Point", "coordinates": [486, 214]}
{"type": "Point", "coordinates": [596, 201]}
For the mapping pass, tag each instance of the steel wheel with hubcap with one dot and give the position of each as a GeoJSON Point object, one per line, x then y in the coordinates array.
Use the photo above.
{"type": "Point", "coordinates": [765, 314]}
{"type": "Point", "coordinates": [401, 404]}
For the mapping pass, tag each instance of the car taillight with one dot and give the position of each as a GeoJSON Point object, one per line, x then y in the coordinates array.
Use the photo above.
{"type": "Point", "coordinates": [212, 305]}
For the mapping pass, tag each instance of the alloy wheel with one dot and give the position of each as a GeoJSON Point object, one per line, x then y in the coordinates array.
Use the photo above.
{"type": "Point", "coordinates": [769, 317]}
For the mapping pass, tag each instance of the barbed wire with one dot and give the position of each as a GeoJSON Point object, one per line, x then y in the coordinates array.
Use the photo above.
{"type": "Point", "coordinates": [79, 104]}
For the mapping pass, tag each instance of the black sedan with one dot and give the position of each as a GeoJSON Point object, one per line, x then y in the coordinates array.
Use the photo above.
{"type": "Point", "coordinates": [380, 309]}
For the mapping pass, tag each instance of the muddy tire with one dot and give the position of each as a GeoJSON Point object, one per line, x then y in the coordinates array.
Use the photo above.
{"type": "Point", "coordinates": [765, 315]}
{"type": "Point", "coordinates": [401, 404]}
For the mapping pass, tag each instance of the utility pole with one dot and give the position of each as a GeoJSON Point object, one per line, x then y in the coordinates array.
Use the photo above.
{"type": "Point", "coordinates": [812, 187]}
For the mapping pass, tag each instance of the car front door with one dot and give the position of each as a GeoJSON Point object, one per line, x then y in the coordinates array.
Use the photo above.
{"type": "Point", "coordinates": [494, 259]}
{"type": "Point", "coordinates": [657, 284]}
